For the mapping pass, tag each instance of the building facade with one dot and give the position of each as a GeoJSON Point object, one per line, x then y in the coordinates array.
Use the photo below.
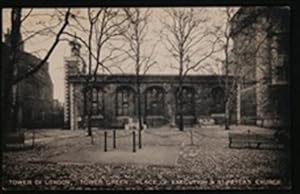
{"type": "Point", "coordinates": [261, 55]}
{"type": "Point", "coordinates": [34, 93]}
{"type": "Point", "coordinates": [114, 98]}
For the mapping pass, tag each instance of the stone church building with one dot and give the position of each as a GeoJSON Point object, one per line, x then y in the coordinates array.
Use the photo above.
{"type": "Point", "coordinates": [260, 56]}
{"type": "Point", "coordinates": [114, 99]}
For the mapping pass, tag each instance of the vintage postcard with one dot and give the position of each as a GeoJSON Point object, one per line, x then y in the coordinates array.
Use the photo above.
{"type": "Point", "coordinates": [146, 98]}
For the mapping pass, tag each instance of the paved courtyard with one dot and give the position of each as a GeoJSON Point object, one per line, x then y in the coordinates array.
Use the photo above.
{"type": "Point", "coordinates": [64, 159]}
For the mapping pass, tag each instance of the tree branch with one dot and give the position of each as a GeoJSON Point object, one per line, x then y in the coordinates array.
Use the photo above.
{"type": "Point", "coordinates": [44, 60]}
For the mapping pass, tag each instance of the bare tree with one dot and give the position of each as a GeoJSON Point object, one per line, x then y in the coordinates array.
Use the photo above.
{"type": "Point", "coordinates": [135, 39]}
{"type": "Point", "coordinates": [95, 32]}
{"type": "Point", "coordinates": [12, 76]}
{"type": "Point", "coordinates": [187, 38]}
{"type": "Point", "coordinates": [223, 34]}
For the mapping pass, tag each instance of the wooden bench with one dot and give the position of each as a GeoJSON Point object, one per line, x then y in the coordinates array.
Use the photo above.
{"type": "Point", "coordinates": [15, 139]}
{"type": "Point", "coordinates": [251, 139]}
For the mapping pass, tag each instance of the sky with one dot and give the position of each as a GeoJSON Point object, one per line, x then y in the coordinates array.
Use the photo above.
{"type": "Point", "coordinates": [40, 17]}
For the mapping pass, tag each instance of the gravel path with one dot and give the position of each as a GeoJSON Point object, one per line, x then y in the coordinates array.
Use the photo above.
{"type": "Point", "coordinates": [74, 163]}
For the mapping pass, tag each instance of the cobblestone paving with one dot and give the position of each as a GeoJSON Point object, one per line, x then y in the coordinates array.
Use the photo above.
{"type": "Point", "coordinates": [208, 164]}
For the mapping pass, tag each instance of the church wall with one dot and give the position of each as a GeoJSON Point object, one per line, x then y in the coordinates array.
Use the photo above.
{"type": "Point", "coordinates": [203, 104]}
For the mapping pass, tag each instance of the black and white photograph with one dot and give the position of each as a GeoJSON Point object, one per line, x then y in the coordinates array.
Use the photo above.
{"type": "Point", "coordinates": [146, 98]}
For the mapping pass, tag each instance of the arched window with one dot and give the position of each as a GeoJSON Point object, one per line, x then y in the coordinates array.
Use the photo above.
{"type": "Point", "coordinates": [187, 100]}
{"type": "Point", "coordinates": [154, 98]}
{"type": "Point", "coordinates": [97, 102]}
{"type": "Point", "coordinates": [125, 98]}
{"type": "Point", "coordinates": [218, 105]}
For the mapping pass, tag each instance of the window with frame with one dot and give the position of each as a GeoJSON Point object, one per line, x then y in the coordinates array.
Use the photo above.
{"type": "Point", "coordinates": [217, 95]}
{"type": "Point", "coordinates": [281, 74]}
{"type": "Point", "coordinates": [188, 101]}
{"type": "Point", "coordinates": [43, 115]}
{"type": "Point", "coordinates": [33, 115]}
{"type": "Point", "coordinates": [125, 98]}
{"type": "Point", "coordinates": [42, 95]}
{"type": "Point", "coordinates": [154, 101]}
{"type": "Point", "coordinates": [281, 63]}
{"type": "Point", "coordinates": [97, 102]}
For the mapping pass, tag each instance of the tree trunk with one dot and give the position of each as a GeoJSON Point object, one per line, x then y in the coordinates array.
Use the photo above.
{"type": "Point", "coordinates": [192, 136]}
{"type": "Point", "coordinates": [139, 110]}
{"type": "Point", "coordinates": [139, 103]}
{"type": "Point", "coordinates": [181, 123]}
{"type": "Point", "coordinates": [227, 122]}
{"type": "Point", "coordinates": [89, 125]}
{"type": "Point", "coordinates": [84, 109]}
{"type": "Point", "coordinates": [10, 68]}
{"type": "Point", "coordinates": [7, 119]}
{"type": "Point", "coordinates": [89, 111]}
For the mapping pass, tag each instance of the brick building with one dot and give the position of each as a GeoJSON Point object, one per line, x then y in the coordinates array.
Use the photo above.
{"type": "Point", "coordinates": [35, 93]}
{"type": "Point", "coordinates": [261, 54]}
{"type": "Point", "coordinates": [114, 98]}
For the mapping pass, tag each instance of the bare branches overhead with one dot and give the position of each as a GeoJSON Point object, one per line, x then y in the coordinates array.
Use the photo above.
{"type": "Point", "coordinates": [48, 54]}
{"type": "Point", "coordinates": [95, 29]}
{"type": "Point", "coordinates": [187, 37]}
{"type": "Point", "coordinates": [135, 38]}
